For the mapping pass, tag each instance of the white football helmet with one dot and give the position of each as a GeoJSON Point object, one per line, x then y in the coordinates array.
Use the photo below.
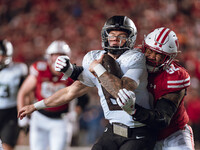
{"type": "Point", "coordinates": [58, 47]}
{"type": "Point", "coordinates": [164, 41]}
{"type": "Point", "coordinates": [6, 49]}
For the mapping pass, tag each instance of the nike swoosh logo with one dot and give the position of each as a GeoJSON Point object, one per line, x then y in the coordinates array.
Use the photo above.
{"type": "Point", "coordinates": [106, 130]}
{"type": "Point", "coordinates": [140, 137]}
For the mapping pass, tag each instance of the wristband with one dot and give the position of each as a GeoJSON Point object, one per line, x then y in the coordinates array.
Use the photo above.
{"type": "Point", "coordinates": [99, 70]}
{"type": "Point", "coordinates": [40, 105]}
{"type": "Point", "coordinates": [68, 73]}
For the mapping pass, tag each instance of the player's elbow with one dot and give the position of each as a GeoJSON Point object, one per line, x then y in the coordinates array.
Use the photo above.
{"type": "Point", "coordinates": [129, 84]}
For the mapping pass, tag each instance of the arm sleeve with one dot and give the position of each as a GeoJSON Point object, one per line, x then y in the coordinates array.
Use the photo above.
{"type": "Point", "coordinates": [158, 118]}
{"type": "Point", "coordinates": [76, 72]}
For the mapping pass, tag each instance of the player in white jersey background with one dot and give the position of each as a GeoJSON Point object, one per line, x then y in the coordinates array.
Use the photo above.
{"type": "Point", "coordinates": [118, 39]}
{"type": "Point", "coordinates": [12, 75]}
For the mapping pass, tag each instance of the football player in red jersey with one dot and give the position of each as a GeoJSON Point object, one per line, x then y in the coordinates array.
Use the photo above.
{"type": "Point", "coordinates": [47, 128]}
{"type": "Point", "coordinates": [167, 83]}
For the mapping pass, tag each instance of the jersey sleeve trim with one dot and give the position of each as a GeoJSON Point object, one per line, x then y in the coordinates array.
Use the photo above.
{"type": "Point", "coordinates": [178, 83]}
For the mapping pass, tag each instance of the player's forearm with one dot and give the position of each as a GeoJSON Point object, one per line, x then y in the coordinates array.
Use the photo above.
{"type": "Point", "coordinates": [21, 99]}
{"type": "Point", "coordinates": [58, 98]}
{"type": "Point", "coordinates": [25, 91]}
{"type": "Point", "coordinates": [65, 95]}
{"type": "Point", "coordinates": [113, 84]}
{"type": "Point", "coordinates": [20, 102]}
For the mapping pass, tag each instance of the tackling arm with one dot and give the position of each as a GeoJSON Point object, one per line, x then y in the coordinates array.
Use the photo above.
{"type": "Point", "coordinates": [163, 112]}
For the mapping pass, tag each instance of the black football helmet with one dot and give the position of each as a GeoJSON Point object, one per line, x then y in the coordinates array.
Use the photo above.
{"type": "Point", "coordinates": [6, 49]}
{"type": "Point", "coordinates": [119, 23]}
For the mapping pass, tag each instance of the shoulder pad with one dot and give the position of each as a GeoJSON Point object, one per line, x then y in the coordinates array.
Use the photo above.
{"type": "Point", "coordinates": [178, 77]}
{"type": "Point", "coordinates": [132, 58]}
{"type": "Point", "coordinates": [90, 56]}
{"type": "Point", "coordinates": [23, 68]}
{"type": "Point", "coordinates": [40, 65]}
{"type": "Point", "coordinates": [36, 67]}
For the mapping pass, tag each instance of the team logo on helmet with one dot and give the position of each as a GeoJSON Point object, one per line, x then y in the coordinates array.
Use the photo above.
{"type": "Point", "coordinates": [163, 41]}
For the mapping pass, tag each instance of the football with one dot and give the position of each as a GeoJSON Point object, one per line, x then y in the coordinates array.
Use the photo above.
{"type": "Point", "coordinates": [111, 65]}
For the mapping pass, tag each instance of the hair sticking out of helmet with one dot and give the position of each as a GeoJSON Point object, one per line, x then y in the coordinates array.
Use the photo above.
{"type": "Point", "coordinates": [6, 50]}
{"type": "Point", "coordinates": [119, 23]}
{"type": "Point", "coordinates": [164, 41]}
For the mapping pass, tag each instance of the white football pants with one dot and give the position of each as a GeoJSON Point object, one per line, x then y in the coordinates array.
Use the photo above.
{"type": "Point", "coordinates": [47, 133]}
{"type": "Point", "coordinates": [180, 140]}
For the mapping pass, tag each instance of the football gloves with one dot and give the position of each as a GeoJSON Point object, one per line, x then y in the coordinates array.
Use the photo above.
{"type": "Point", "coordinates": [126, 101]}
{"type": "Point", "coordinates": [63, 65]}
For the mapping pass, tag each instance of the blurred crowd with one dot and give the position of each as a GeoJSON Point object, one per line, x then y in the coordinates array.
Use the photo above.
{"type": "Point", "coordinates": [31, 25]}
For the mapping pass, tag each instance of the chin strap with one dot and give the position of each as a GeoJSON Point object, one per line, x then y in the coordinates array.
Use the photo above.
{"type": "Point", "coordinates": [116, 52]}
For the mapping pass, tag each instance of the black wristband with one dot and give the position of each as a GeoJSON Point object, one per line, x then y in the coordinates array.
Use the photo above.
{"type": "Point", "coordinates": [67, 66]}
{"type": "Point", "coordinates": [76, 72]}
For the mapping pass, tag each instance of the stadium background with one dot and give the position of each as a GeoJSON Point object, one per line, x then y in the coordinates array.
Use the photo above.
{"type": "Point", "coordinates": [31, 25]}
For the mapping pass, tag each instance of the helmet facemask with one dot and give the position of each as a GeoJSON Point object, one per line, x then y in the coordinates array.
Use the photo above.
{"type": "Point", "coordinates": [119, 23]}
{"type": "Point", "coordinates": [152, 65]}
{"type": "Point", "coordinates": [117, 49]}
{"type": "Point", "coordinates": [6, 51]}
{"type": "Point", "coordinates": [162, 41]}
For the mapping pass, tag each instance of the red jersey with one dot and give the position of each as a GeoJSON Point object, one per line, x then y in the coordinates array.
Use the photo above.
{"type": "Point", "coordinates": [193, 110]}
{"type": "Point", "coordinates": [47, 83]}
{"type": "Point", "coordinates": [171, 80]}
